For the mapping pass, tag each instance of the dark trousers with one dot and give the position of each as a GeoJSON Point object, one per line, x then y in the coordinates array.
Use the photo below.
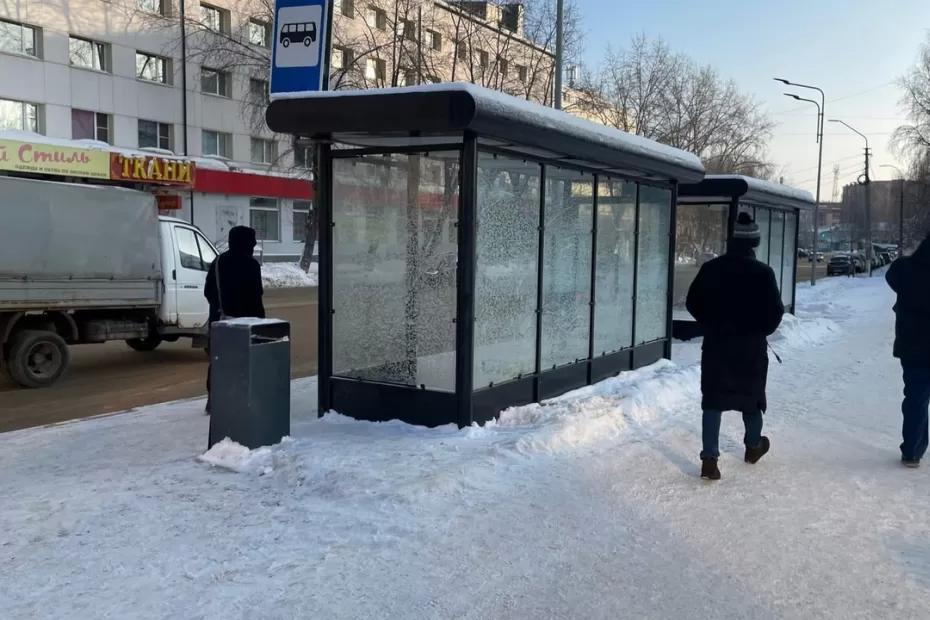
{"type": "Point", "coordinates": [752, 421]}
{"type": "Point", "coordinates": [914, 408]}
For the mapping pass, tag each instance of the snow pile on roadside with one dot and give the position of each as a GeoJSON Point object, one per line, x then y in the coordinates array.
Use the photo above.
{"type": "Point", "coordinates": [289, 275]}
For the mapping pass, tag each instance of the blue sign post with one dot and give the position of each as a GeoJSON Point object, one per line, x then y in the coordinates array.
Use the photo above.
{"type": "Point", "coordinates": [300, 52]}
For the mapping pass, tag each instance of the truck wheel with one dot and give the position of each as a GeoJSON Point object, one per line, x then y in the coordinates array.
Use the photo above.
{"type": "Point", "coordinates": [149, 343]}
{"type": "Point", "coordinates": [37, 358]}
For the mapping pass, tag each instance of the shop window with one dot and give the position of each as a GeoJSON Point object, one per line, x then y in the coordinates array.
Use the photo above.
{"type": "Point", "coordinates": [156, 7]}
{"type": "Point", "coordinates": [86, 125]}
{"type": "Point", "coordinates": [264, 217]}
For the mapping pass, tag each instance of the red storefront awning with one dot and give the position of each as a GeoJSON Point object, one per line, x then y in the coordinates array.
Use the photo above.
{"type": "Point", "coordinates": [248, 184]}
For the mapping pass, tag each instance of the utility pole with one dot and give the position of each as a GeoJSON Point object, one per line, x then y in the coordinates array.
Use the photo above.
{"type": "Point", "coordinates": [865, 180]}
{"type": "Point", "coordinates": [559, 52]}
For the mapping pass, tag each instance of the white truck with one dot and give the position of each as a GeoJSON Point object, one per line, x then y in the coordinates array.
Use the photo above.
{"type": "Point", "coordinates": [84, 264]}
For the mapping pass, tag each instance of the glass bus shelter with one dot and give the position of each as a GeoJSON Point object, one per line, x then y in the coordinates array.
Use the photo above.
{"type": "Point", "coordinates": [706, 214]}
{"type": "Point", "coordinates": [478, 251]}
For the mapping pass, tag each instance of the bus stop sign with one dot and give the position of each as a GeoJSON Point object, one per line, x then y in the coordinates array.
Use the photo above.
{"type": "Point", "coordinates": [299, 47]}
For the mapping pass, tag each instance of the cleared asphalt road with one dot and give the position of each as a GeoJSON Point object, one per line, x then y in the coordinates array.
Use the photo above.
{"type": "Point", "coordinates": [104, 378]}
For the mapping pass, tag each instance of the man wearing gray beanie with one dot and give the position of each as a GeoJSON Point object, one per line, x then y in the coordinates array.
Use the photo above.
{"type": "Point", "coordinates": [736, 301]}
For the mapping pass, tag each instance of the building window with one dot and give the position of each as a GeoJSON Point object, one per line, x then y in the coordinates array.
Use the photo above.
{"type": "Point", "coordinates": [435, 40]}
{"type": "Point", "coordinates": [345, 7]}
{"type": "Point", "coordinates": [484, 59]}
{"type": "Point", "coordinates": [407, 29]}
{"type": "Point", "coordinates": [375, 69]}
{"type": "Point", "coordinates": [19, 115]}
{"type": "Point", "coordinates": [214, 82]}
{"type": "Point", "coordinates": [377, 18]}
{"type": "Point", "coordinates": [302, 155]}
{"type": "Point", "coordinates": [522, 73]}
{"type": "Point", "coordinates": [18, 38]}
{"type": "Point", "coordinates": [158, 7]}
{"type": "Point", "coordinates": [264, 218]}
{"type": "Point", "coordinates": [87, 125]}
{"type": "Point", "coordinates": [216, 143]}
{"type": "Point", "coordinates": [259, 32]}
{"type": "Point", "coordinates": [407, 77]}
{"type": "Point", "coordinates": [338, 61]}
{"type": "Point", "coordinates": [301, 213]}
{"type": "Point", "coordinates": [153, 134]}
{"type": "Point", "coordinates": [152, 68]}
{"type": "Point", "coordinates": [214, 18]}
{"type": "Point", "coordinates": [503, 66]}
{"type": "Point", "coordinates": [264, 151]}
{"type": "Point", "coordinates": [88, 54]}
{"type": "Point", "coordinates": [258, 91]}
{"type": "Point", "coordinates": [461, 51]}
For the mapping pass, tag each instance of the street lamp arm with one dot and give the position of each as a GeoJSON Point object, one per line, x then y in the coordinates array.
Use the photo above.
{"type": "Point", "coordinates": [823, 97]}
{"type": "Point", "coordinates": [851, 128]}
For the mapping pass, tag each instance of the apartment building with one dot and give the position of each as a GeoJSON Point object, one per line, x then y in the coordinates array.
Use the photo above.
{"type": "Point", "coordinates": [119, 72]}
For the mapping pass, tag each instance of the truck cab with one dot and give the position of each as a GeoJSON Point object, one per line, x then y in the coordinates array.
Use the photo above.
{"type": "Point", "coordinates": [186, 258]}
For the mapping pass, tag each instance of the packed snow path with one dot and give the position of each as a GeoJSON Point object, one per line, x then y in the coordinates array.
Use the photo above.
{"type": "Point", "coordinates": [586, 507]}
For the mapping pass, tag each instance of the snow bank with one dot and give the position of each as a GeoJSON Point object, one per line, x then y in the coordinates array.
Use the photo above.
{"type": "Point", "coordinates": [289, 275]}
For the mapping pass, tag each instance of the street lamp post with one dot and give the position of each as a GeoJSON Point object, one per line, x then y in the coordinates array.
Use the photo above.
{"type": "Point", "coordinates": [900, 207]}
{"type": "Point", "coordinates": [821, 110]}
{"type": "Point", "coordinates": [865, 180]}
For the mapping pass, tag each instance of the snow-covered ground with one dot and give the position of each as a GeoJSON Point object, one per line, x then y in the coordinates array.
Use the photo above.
{"type": "Point", "coordinates": [289, 275]}
{"type": "Point", "coordinates": [588, 506]}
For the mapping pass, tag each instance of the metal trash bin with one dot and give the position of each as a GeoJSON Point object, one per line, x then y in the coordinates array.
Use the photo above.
{"type": "Point", "coordinates": [250, 380]}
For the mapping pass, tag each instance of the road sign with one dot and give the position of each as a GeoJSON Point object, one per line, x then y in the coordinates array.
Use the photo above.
{"type": "Point", "coordinates": [300, 46]}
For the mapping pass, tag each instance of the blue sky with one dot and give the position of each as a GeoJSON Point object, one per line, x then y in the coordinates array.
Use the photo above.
{"type": "Point", "coordinates": [853, 49]}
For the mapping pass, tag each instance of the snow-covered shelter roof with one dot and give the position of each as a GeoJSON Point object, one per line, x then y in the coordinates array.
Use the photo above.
{"type": "Point", "coordinates": [725, 187]}
{"type": "Point", "coordinates": [440, 114]}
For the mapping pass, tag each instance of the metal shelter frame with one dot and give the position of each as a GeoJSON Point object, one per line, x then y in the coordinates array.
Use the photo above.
{"type": "Point", "coordinates": [472, 121]}
{"type": "Point", "coordinates": [742, 192]}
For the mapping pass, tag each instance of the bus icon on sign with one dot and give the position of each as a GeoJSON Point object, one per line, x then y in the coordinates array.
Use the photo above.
{"type": "Point", "coordinates": [298, 32]}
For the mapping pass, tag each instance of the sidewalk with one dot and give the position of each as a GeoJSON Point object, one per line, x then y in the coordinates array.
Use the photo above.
{"type": "Point", "coordinates": [588, 506]}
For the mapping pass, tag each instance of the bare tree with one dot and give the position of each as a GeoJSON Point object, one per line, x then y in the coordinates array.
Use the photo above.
{"type": "Point", "coordinates": [912, 140]}
{"type": "Point", "coordinates": [651, 91]}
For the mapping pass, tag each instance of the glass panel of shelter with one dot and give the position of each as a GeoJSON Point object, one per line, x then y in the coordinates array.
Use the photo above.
{"type": "Point", "coordinates": [394, 283]}
{"type": "Point", "coordinates": [701, 235]}
{"type": "Point", "coordinates": [394, 219]}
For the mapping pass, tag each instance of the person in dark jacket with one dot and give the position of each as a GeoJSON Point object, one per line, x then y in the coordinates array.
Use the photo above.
{"type": "Point", "coordinates": [237, 291]}
{"type": "Point", "coordinates": [909, 277]}
{"type": "Point", "coordinates": [736, 301]}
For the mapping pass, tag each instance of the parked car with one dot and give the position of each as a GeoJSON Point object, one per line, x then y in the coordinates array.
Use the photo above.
{"type": "Point", "coordinates": [886, 256]}
{"type": "Point", "coordinates": [802, 253]}
{"type": "Point", "coordinates": [859, 261]}
{"type": "Point", "coordinates": [841, 265]}
{"type": "Point", "coordinates": [820, 257]}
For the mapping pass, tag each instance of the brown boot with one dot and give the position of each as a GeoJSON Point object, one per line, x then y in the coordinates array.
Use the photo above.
{"type": "Point", "coordinates": [709, 470]}
{"type": "Point", "coordinates": [758, 451]}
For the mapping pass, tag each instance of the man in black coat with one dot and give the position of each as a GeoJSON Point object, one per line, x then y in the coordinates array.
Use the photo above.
{"type": "Point", "coordinates": [909, 277]}
{"type": "Point", "coordinates": [736, 301]}
{"type": "Point", "coordinates": [234, 283]}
